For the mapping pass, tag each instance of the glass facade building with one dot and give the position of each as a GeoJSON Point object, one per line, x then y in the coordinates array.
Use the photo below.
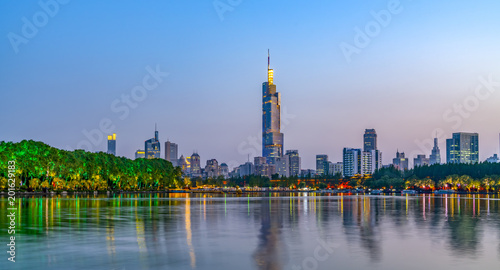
{"type": "Point", "coordinates": [152, 147]}
{"type": "Point", "coordinates": [369, 140]}
{"type": "Point", "coordinates": [462, 148]}
{"type": "Point", "coordinates": [272, 138]}
{"type": "Point", "coordinates": [112, 144]}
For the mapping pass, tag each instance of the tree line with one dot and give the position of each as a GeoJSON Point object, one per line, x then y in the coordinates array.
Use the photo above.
{"type": "Point", "coordinates": [40, 166]}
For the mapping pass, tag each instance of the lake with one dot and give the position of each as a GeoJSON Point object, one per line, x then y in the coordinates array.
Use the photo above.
{"type": "Point", "coordinates": [257, 231]}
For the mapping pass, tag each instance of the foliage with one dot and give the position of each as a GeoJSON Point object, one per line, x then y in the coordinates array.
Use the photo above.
{"type": "Point", "coordinates": [40, 166]}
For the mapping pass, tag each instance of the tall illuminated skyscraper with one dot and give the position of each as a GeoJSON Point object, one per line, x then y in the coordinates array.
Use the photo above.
{"type": "Point", "coordinates": [272, 138]}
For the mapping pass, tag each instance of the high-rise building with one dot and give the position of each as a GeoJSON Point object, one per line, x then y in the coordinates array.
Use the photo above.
{"type": "Point", "coordinates": [212, 168]}
{"type": "Point", "coordinates": [246, 169]}
{"type": "Point", "coordinates": [335, 168]}
{"type": "Point", "coordinates": [352, 162]}
{"type": "Point", "coordinates": [140, 154]}
{"type": "Point", "coordinates": [224, 170]}
{"type": "Point", "coordinates": [435, 157]}
{"type": "Point", "coordinates": [195, 165]}
{"type": "Point", "coordinates": [112, 144]}
{"type": "Point", "coordinates": [295, 165]}
{"type": "Point", "coordinates": [272, 138]}
{"type": "Point", "coordinates": [370, 140]}
{"type": "Point", "coordinates": [171, 152]}
{"type": "Point", "coordinates": [152, 146]}
{"type": "Point", "coordinates": [462, 148]}
{"type": "Point", "coordinates": [283, 166]}
{"type": "Point", "coordinates": [420, 161]}
{"type": "Point", "coordinates": [371, 161]}
{"type": "Point", "coordinates": [400, 162]}
{"type": "Point", "coordinates": [321, 165]}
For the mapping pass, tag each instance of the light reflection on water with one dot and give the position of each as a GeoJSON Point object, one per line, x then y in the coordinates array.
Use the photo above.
{"type": "Point", "coordinates": [264, 231]}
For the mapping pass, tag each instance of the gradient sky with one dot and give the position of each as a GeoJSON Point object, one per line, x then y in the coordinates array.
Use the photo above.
{"type": "Point", "coordinates": [429, 57]}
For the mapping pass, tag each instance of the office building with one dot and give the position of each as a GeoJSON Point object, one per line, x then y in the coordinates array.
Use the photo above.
{"type": "Point", "coordinates": [420, 161]}
{"type": "Point", "coordinates": [246, 169]}
{"type": "Point", "coordinates": [352, 162]}
{"type": "Point", "coordinates": [152, 146]}
{"type": "Point", "coordinates": [307, 173]}
{"type": "Point", "coordinates": [435, 157]}
{"type": "Point", "coordinates": [195, 165]}
{"type": "Point", "coordinates": [262, 168]}
{"type": "Point", "coordinates": [295, 162]}
{"type": "Point", "coordinates": [212, 168]}
{"type": "Point", "coordinates": [336, 168]}
{"type": "Point", "coordinates": [171, 152]}
{"type": "Point", "coordinates": [400, 162]}
{"type": "Point", "coordinates": [462, 148]}
{"type": "Point", "coordinates": [369, 140]}
{"type": "Point", "coordinates": [140, 154]}
{"type": "Point", "coordinates": [112, 144]}
{"type": "Point", "coordinates": [224, 170]}
{"type": "Point", "coordinates": [371, 161]}
{"type": "Point", "coordinates": [283, 166]}
{"type": "Point", "coordinates": [321, 165]}
{"type": "Point", "coordinates": [272, 138]}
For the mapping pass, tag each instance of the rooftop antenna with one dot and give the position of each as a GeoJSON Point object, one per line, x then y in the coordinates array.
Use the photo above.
{"type": "Point", "coordinates": [268, 60]}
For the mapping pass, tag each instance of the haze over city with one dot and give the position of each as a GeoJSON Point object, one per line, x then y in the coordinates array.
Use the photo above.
{"type": "Point", "coordinates": [405, 82]}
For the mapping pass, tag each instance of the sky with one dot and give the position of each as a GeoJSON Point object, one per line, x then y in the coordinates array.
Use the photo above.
{"type": "Point", "coordinates": [72, 72]}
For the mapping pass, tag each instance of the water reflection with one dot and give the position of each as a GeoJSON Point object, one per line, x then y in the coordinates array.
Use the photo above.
{"type": "Point", "coordinates": [275, 231]}
{"type": "Point", "coordinates": [270, 250]}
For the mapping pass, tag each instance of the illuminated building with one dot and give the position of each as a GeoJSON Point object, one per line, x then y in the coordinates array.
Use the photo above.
{"type": "Point", "coordinates": [212, 168]}
{"type": "Point", "coordinates": [295, 165]}
{"type": "Point", "coordinates": [321, 164]}
{"type": "Point", "coordinates": [272, 138]}
{"type": "Point", "coordinates": [261, 167]}
{"type": "Point", "coordinates": [140, 154]}
{"type": "Point", "coordinates": [335, 168]}
{"type": "Point", "coordinates": [352, 161]}
{"type": "Point", "coordinates": [152, 146]}
{"type": "Point", "coordinates": [420, 161]}
{"type": "Point", "coordinates": [370, 140]}
{"type": "Point", "coordinates": [171, 152]}
{"type": "Point", "coordinates": [195, 165]}
{"type": "Point", "coordinates": [283, 166]}
{"type": "Point", "coordinates": [462, 148]}
{"type": "Point", "coordinates": [112, 144]}
{"type": "Point", "coordinates": [400, 162]}
{"type": "Point", "coordinates": [435, 157]}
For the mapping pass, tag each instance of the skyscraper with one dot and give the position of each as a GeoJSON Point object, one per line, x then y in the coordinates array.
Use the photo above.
{"type": "Point", "coordinates": [370, 140]}
{"type": "Point", "coordinates": [352, 161]}
{"type": "Point", "coordinates": [272, 138]}
{"type": "Point", "coordinates": [321, 164]}
{"type": "Point", "coordinates": [462, 148]}
{"type": "Point", "coordinates": [195, 165]}
{"type": "Point", "coordinates": [171, 152]}
{"type": "Point", "coordinates": [435, 157]}
{"type": "Point", "coordinates": [112, 144]}
{"type": "Point", "coordinates": [152, 146]}
{"type": "Point", "coordinates": [294, 162]}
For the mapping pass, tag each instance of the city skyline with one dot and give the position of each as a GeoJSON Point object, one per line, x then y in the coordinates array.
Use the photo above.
{"type": "Point", "coordinates": [412, 78]}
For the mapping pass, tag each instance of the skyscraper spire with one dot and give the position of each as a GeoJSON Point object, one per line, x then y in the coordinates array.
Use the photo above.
{"type": "Point", "coordinates": [268, 60]}
{"type": "Point", "coordinates": [269, 70]}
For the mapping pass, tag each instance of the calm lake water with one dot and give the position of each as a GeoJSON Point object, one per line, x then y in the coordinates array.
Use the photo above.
{"type": "Point", "coordinates": [265, 231]}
